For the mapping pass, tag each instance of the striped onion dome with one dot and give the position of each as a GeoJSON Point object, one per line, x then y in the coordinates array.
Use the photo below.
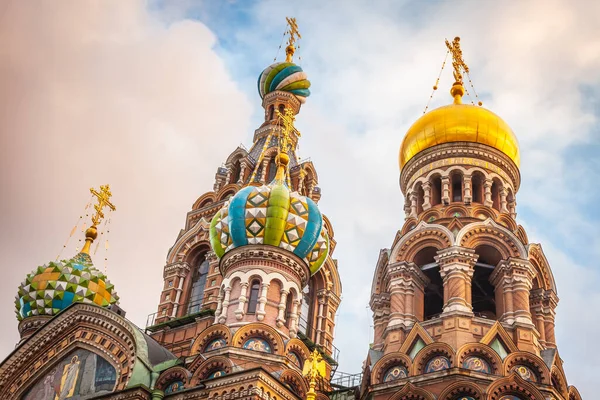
{"type": "Point", "coordinates": [53, 287]}
{"type": "Point", "coordinates": [284, 76]}
{"type": "Point", "coordinates": [273, 215]}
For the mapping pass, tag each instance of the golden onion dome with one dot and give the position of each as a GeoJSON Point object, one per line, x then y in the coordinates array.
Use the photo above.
{"type": "Point", "coordinates": [459, 123]}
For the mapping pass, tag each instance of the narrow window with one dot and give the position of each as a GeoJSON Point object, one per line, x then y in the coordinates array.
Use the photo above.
{"type": "Point", "coordinates": [456, 187]}
{"type": "Point", "coordinates": [281, 108]}
{"type": "Point", "coordinates": [288, 309]}
{"type": "Point", "coordinates": [271, 112]}
{"type": "Point", "coordinates": [272, 170]}
{"type": "Point", "coordinates": [198, 285]}
{"type": "Point", "coordinates": [253, 300]}
{"type": "Point", "coordinates": [436, 190]}
{"type": "Point", "coordinates": [495, 195]}
{"type": "Point", "coordinates": [420, 199]}
{"type": "Point", "coordinates": [477, 188]}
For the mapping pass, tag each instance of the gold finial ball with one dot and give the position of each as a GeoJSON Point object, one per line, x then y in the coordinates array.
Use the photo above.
{"type": "Point", "coordinates": [91, 233]}
{"type": "Point", "coordinates": [457, 90]}
{"type": "Point", "coordinates": [290, 49]}
{"type": "Point", "coordinates": [282, 159]}
{"type": "Point", "coordinates": [480, 103]}
{"type": "Point", "coordinates": [457, 39]}
{"type": "Point", "coordinates": [434, 87]}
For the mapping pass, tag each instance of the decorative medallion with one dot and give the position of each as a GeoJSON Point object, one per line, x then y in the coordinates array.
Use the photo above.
{"type": "Point", "coordinates": [478, 364]}
{"type": "Point", "coordinates": [216, 374]}
{"type": "Point", "coordinates": [525, 373]}
{"type": "Point", "coordinates": [216, 344]}
{"type": "Point", "coordinates": [396, 372]}
{"type": "Point", "coordinates": [258, 344]}
{"type": "Point", "coordinates": [438, 363]}
{"type": "Point", "coordinates": [174, 387]}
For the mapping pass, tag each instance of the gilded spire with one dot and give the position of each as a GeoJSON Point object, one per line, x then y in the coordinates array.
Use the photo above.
{"type": "Point", "coordinates": [286, 120]}
{"type": "Point", "coordinates": [103, 197]}
{"type": "Point", "coordinates": [459, 66]}
{"type": "Point", "coordinates": [294, 35]}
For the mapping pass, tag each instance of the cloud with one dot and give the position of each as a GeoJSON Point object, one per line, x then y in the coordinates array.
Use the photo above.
{"type": "Point", "coordinates": [93, 94]}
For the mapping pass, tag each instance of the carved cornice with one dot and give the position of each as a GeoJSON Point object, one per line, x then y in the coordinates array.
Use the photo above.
{"type": "Point", "coordinates": [456, 255]}
{"type": "Point", "coordinates": [265, 255]}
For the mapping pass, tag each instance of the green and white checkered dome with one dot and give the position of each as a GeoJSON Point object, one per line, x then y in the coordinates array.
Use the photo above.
{"type": "Point", "coordinates": [55, 286]}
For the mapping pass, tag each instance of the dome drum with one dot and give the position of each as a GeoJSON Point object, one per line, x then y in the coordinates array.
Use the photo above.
{"type": "Point", "coordinates": [465, 155]}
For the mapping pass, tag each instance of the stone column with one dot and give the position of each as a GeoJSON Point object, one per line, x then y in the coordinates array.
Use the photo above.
{"type": "Point", "coordinates": [426, 195]}
{"type": "Point", "coordinates": [280, 314]}
{"type": "Point", "coordinates": [294, 318]}
{"type": "Point", "coordinates": [406, 286]}
{"type": "Point", "coordinates": [219, 306]}
{"type": "Point", "coordinates": [445, 190]}
{"type": "Point", "coordinates": [242, 172]}
{"type": "Point", "coordinates": [262, 301]}
{"type": "Point", "coordinates": [263, 173]}
{"type": "Point", "coordinates": [487, 186]}
{"type": "Point", "coordinates": [241, 310]}
{"type": "Point", "coordinates": [512, 208]}
{"type": "Point", "coordinates": [456, 268]}
{"type": "Point", "coordinates": [225, 306]}
{"type": "Point", "coordinates": [468, 195]}
{"type": "Point", "coordinates": [412, 196]}
{"type": "Point", "coordinates": [319, 330]}
{"type": "Point", "coordinates": [179, 290]}
{"type": "Point", "coordinates": [228, 177]}
{"type": "Point", "coordinates": [503, 201]}
{"type": "Point", "coordinates": [514, 279]}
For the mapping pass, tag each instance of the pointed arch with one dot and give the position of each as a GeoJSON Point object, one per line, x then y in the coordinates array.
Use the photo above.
{"type": "Point", "coordinates": [430, 351]}
{"type": "Point", "coordinates": [538, 260]}
{"type": "Point", "coordinates": [411, 392]}
{"type": "Point", "coordinates": [529, 360]}
{"type": "Point", "coordinates": [497, 330]}
{"type": "Point", "coordinates": [457, 390]}
{"type": "Point", "coordinates": [490, 233]}
{"type": "Point", "coordinates": [483, 351]}
{"type": "Point", "coordinates": [209, 334]}
{"type": "Point", "coordinates": [377, 284]}
{"type": "Point", "coordinates": [204, 200]}
{"type": "Point", "coordinates": [201, 368]}
{"type": "Point", "coordinates": [198, 235]}
{"type": "Point", "coordinates": [178, 373]}
{"type": "Point", "coordinates": [258, 329]}
{"type": "Point", "coordinates": [388, 361]}
{"type": "Point", "coordinates": [513, 384]}
{"type": "Point", "coordinates": [416, 332]}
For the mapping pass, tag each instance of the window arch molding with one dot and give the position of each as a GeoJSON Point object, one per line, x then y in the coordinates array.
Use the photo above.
{"type": "Point", "coordinates": [458, 389]}
{"type": "Point", "coordinates": [258, 329]}
{"type": "Point", "coordinates": [388, 361]}
{"type": "Point", "coordinates": [483, 351]}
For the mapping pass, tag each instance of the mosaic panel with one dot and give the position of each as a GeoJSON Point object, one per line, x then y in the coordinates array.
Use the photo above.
{"type": "Point", "coordinates": [525, 373]}
{"type": "Point", "coordinates": [174, 387]}
{"type": "Point", "coordinates": [216, 344]}
{"type": "Point", "coordinates": [438, 363]}
{"type": "Point", "coordinates": [396, 372]}
{"type": "Point", "coordinates": [478, 364]}
{"type": "Point", "coordinates": [258, 344]}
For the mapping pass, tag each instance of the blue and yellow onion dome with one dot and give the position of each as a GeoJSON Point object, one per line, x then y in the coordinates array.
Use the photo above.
{"type": "Point", "coordinates": [284, 76]}
{"type": "Point", "coordinates": [272, 215]}
{"type": "Point", "coordinates": [53, 287]}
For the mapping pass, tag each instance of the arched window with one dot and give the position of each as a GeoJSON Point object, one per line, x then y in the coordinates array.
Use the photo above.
{"type": "Point", "coordinates": [457, 187]}
{"type": "Point", "coordinates": [420, 198]}
{"type": "Point", "coordinates": [253, 299]}
{"type": "Point", "coordinates": [272, 170]}
{"type": "Point", "coordinates": [483, 297]}
{"type": "Point", "coordinates": [434, 291]}
{"type": "Point", "coordinates": [281, 108]}
{"type": "Point", "coordinates": [496, 194]}
{"type": "Point", "coordinates": [235, 172]}
{"type": "Point", "coordinates": [436, 190]}
{"type": "Point", "coordinates": [271, 112]}
{"type": "Point", "coordinates": [477, 188]}
{"type": "Point", "coordinates": [198, 284]}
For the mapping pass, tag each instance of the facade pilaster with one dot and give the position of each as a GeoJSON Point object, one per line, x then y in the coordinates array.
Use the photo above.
{"type": "Point", "coordinates": [426, 195]}
{"type": "Point", "coordinates": [468, 196]}
{"type": "Point", "coordinates": [487, 193]}
{"type": "Point", "coordinates": [406, 287]}
{"type": "Point", "coordinates": [445, 190]}
{"type": "Point", "coordinates": [281, 308]}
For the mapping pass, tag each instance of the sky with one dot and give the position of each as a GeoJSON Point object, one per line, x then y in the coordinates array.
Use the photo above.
{"type": "Point", "coordinates": [152, 97]}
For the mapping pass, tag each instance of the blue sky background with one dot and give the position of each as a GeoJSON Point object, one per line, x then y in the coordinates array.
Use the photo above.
{"type": "Point", "coordinates": [163, 91]}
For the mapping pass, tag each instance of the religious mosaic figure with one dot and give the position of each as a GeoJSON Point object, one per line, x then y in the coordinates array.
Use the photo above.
{"type": "Point", "coordinates": [49, 391]}
{"type": "Point", "coordinates": [477, 364]}
{"type": "Point", "coordinates": [438, 363]}
{"type": "Point", "coordinates": [257, 345]}
{"type": "Point", "coordinates": [69, 379]}
{"type": "Point", "coordinates": [397, 372]}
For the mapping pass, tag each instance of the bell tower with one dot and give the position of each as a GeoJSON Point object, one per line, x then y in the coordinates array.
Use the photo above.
{"type": "Point", "coordinates": [463, 304]}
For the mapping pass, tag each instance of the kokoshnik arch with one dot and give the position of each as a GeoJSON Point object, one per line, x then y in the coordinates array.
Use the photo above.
{"type": "Point", "coordinates": [463, 304]}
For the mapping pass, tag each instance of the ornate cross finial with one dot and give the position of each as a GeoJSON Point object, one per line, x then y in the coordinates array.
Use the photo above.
{"type": "Point", "coordinates": [457, 61]}
{"type": "Point", "coordinates": [286, 119]}
{"type": "Point", "coordinates": [314, 368]}
{"type": "Point", "coordinates": [103, 201]}
{"type": "Point", "coordinates": [294, 35]}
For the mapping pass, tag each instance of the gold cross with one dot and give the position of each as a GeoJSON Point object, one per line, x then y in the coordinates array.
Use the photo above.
{"type": "Point", "coordinates": [457, 61]}
{"type": "Point", "coordinates": [287, 119]}
{"type": "Point", "coordinates": [294, 35]}
{"type": "Point", "coordinates": [103, 201]}
{"type": "Point", "coordinates": [293, 31]}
